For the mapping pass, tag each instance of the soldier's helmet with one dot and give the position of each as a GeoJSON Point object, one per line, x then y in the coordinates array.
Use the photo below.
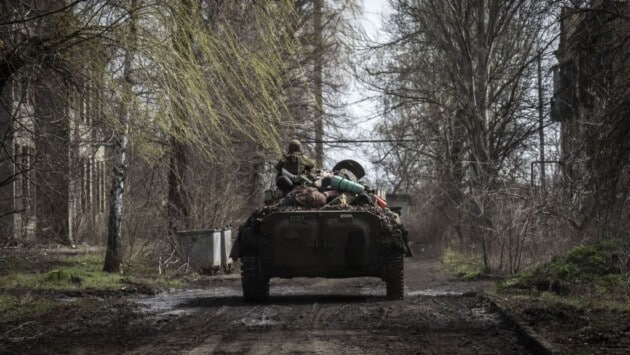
{"type": "Point", "coordinates": [295, 146]}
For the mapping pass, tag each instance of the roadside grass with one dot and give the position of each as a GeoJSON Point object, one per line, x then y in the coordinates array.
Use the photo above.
{"type": "Point", "coordinates": [33, 285]}
{"type": "Point", "coordinates": [590, 276]}
{"type": "Point", "coordinates": [462, 266]}
{"type": "Point", "coordinates": [80, 272]}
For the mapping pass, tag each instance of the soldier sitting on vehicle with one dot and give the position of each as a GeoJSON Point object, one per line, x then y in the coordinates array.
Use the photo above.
{"type": "Point", "coordinates": [292, 164]}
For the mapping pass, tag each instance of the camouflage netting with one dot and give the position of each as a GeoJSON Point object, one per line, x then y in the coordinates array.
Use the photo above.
{"type": "Point", "coordinates": [390, 221]}
{"type": "Point", "coordinates": [319, 190]}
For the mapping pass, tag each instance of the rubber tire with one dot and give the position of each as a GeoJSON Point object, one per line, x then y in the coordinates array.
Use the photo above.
{"type": "Point", "coordinates": [255, 284]}
{"type": "Point", "coordinates": [395, 279]}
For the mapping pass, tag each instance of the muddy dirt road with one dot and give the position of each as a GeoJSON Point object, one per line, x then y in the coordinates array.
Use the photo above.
{"type": "Point", "coordinates": [303, 316]}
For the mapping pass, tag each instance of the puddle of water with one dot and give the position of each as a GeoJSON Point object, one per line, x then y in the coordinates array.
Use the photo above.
{"type": "Point", "coordinates": [265, 319]}
{"type": "Point", "coordinates": [68, 299]}
{"type": "Point", "coordinates": [372, 291]}
{"type": "Point", "coordinates": [166, 303]}
{"type": "Point", "coordinates": [257, 322]}
{"type": "Point", "coordinates": [298, 290]}
{"type": "Point", "coordinates": [288, 290]}
{"type": "Point", "coordinates": [433, 293]}
{"type": "Point", "coordinates": [485, 315]}
{"type": "Point", "coordinates": [325, 291]}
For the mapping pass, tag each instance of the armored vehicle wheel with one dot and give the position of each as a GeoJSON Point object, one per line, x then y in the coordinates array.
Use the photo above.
{"type": "Point", "coordinates": [394, 278]}
{"type": "Point", "coordinates": [255, 283]}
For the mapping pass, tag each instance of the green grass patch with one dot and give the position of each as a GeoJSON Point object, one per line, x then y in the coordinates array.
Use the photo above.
{"type": "Point", "coordinates": [462, 266]}
{"type": "Point", "coordinates": [619, 303]}
{"type": "Point", "coordinates": [80, 272]}
{"type": "Point", "coordinates": [37, 283]}
{"type": "Point", "coordinates": [592, 266]}
{"type": "Point", "coordinates": [589, 276]}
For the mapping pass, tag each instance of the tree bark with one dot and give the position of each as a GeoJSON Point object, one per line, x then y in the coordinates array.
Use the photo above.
{"type": "Point", "coordinates": [317, 72]}
{"type": "Point", "coordinates": [541, 129]}
{"type": "Point", "coordinates": [114, 255]}
{"type": "Point", "coordinates": [177, 209]}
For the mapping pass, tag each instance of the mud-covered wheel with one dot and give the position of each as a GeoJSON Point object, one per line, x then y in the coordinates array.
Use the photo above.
{"type": "Point", "coordinates": [255, 283]}
{"type": "Point", "coordinates": [395, 279]}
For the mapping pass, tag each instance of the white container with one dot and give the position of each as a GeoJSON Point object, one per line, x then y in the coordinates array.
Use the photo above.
{"type": "Point", "coordinates": [201, 248]}
{"type": "Point", "coordinates": [226, 247]}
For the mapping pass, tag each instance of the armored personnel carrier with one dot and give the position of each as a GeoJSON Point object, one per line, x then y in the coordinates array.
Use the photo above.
{"type": "Point", "coordinates": [337, 234]}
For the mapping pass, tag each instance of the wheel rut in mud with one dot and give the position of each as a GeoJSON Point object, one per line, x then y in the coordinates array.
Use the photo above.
{"type": "Point", "coordinates": [349, 316]}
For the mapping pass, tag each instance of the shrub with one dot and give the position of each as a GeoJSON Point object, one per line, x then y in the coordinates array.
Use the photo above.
{"type": "Point", "coordinates": [585, 265]}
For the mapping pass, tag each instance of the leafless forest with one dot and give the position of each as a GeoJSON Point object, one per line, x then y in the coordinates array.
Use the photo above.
{"type": "Point", "coordinates": [123, 122]}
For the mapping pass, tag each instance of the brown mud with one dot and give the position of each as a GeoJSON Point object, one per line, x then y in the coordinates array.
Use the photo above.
{"type": "Point", "coordinates": [352, 316]}
{"type": "Point", "coordinates": [569, 329]}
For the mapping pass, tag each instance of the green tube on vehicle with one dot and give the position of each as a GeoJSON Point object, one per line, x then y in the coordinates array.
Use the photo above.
{"type": "Point", "coordinates": [343, 184]}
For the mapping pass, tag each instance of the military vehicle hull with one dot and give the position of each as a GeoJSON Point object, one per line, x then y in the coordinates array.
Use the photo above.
{"type": "Point", "coordinates": [318, 243]}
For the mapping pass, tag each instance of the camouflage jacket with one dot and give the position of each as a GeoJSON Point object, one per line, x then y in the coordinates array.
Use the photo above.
{"type": "Point", "coordinates": [295, 163]}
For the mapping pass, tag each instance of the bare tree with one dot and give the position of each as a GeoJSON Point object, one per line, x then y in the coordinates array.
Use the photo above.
{"type": "Point", "coordinates": [461, 72]}
{"type": "Point", "coordinates": [327, 33]}
{"type": "Point", "coordinates": [23, 47]}
{"type": "Point", "coordinates": [591, 104]}
{"type": "Point", "coordinates": [40, 58]}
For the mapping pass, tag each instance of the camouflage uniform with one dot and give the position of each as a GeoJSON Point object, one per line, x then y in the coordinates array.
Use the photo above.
{"type": "Point", "coordinates": [295, 161]}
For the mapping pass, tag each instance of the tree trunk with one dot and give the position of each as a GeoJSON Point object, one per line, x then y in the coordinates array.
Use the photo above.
{"type": "Point", "coordinates": [178, 210]}
{"type": "Point", "coordinates": [114, 254]}
{"type": "Point", "coordinates": [317, 72]}
{"type": "Point", "coordinates": [541, 129]}
{"type": "Point", "coordinates": [479, 125]}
